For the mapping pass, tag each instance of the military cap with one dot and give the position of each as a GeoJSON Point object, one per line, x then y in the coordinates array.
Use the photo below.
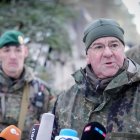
{"type": "Point", "coordinates": [11, 37]}
{"type": "Point", "coordinates": [102, 28]}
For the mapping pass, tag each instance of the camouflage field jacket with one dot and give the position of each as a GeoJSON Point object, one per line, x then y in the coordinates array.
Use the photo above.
{"type": "Point", "coordinates": [11, 92]}
{"type": "Point", "coordinates": [119, 110]}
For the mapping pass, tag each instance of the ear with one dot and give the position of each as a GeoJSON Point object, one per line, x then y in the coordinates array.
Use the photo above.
{"type": "Point", "coordinates": [87, 59]}
{"type": "Point", "coordinates": [0, 55]}
{"type": "Point", "coordinates": [26, 51]}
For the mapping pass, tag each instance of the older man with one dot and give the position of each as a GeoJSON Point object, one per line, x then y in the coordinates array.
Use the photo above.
{"type": "Point", "coordinates": [23, 97]}
{"type": "Point", "coordinates": [107, 90]}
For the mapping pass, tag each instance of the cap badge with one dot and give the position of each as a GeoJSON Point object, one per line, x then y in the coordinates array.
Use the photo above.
{"type": "Point", "coordinates": [21, 40]}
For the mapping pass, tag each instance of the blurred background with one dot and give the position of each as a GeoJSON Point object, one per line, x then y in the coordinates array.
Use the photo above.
{"type": "Point", "coordinates": [54, 31]}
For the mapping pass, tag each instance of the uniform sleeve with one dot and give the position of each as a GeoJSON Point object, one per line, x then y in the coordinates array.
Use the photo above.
{"type": "Point", "coordinates": [50, 98]}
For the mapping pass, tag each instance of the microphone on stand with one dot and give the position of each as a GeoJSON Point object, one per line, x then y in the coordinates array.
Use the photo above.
{"type": "Point", "coordinates": [67, 134]}
{"type": "Point", "coordinates": [34, 132]}
{"type": "Point", "coordinates": [94, 131]}
{"type": "Point", "coordinates": [46, 127]}
{"type": "Point", "coordinates": [10, 133]}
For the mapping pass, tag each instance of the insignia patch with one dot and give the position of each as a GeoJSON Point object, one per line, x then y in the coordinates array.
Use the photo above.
{"type": "Point", "coordinates": [87, 128]}
{"type": "Point", "coordinates": [21, 40]}
{"type": "Point", "coordinates": [13, 131]}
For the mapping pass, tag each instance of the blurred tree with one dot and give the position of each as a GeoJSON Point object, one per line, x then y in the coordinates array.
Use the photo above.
{"type": "Point", "coordinates": [41, 20]}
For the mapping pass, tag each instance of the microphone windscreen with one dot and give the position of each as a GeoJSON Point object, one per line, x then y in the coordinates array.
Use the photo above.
{"type": "Point", "coordinates": [46, 127]}
{"type": "Point", "coordinates": [94, 131]}
{"type": "Point", "coordinates": [67, 134]}
{"type": "Point", "coordinates": [34, 132]}
{"type": "Point", "coordinates": [11, 133]}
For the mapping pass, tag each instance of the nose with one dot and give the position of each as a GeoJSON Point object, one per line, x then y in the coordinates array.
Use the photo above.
{"type": "Point", "coordinates": [107, 52]}
{"type": "Point", "coordinates": [12, 55]}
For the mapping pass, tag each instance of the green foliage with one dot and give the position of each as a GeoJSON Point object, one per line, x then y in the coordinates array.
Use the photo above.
{"type": "Point", "coordinates": [41, 20]}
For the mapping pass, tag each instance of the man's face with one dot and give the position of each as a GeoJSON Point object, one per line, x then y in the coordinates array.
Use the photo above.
{"type": "Point", "coordinates": [106, 56]}
{"type": "Point", "coordinates": [12, 59]}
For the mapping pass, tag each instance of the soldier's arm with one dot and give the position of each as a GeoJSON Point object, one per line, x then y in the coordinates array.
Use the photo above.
{"type": "Point", "coordinates": [50, 98]}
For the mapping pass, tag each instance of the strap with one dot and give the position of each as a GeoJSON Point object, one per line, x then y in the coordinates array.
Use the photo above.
{"type": "Point", "coordinates": [24, 107]}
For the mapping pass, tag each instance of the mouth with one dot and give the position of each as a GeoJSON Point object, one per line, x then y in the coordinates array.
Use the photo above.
{"type": "Point", "coordinates": [13, 64]}
{"type": "Point", "coordinates": [108, 63]}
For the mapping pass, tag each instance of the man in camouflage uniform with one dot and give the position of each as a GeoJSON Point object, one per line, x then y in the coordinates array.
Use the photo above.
{"type": "Point", "coordinates": [107, 90]}
{"type": "Point", "coordinates": [18, 81]}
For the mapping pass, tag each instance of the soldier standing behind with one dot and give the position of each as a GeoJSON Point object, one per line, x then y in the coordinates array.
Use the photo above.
{"type": "Point", "coordinates": [23, 97]}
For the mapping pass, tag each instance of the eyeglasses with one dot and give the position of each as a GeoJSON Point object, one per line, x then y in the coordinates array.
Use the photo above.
{"type": "Point", "coordinates": [99, 47]}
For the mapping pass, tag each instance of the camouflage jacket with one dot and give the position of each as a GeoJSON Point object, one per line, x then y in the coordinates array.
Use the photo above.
{"type": "Point", "coordinates": [11, 92]}
{"type": "Point", "coordinates": [118, 110]}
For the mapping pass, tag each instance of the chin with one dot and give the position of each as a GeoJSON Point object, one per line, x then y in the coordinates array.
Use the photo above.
{"type": "Point", "coordinates": [110, 74]}
{"type": "Point", "coordinates": [12, 71]}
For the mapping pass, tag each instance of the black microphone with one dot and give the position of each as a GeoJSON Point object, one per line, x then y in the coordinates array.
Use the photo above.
{"type": "Point", "coordinates": [2, 138]}
{"type": "Point", "coordinates": [93, 131]}
{"type": "Point", "coordinates": [34, 132]}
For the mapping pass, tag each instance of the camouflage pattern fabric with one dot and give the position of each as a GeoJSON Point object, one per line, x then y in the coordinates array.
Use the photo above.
{"type": "Point", "coordinates": [117, 108]}
{"type": "Point", "coordinates": [125, 136]}
{"type": "Point", "coordinates": [11, 92]}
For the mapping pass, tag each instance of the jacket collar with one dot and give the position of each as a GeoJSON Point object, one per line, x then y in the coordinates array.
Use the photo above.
{"type": "Point", "coordinates": [132, 74]}
{"type": "Point", "coordinates": [127, 77]}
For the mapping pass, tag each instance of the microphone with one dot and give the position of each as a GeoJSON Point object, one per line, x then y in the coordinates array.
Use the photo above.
{"type": "Point", "coordinates": [67, 134]}
{"type": "Point", "coordinates": [10, 133]}
{"type": "Point", "coordinates": [94, 131]}
{"type": "Point", "coordinates": [46, 127]}
{"type": "Point", "coordinates": [34, 132]}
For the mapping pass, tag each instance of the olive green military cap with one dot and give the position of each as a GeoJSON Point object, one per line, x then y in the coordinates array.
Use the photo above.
{"type": "Point", "coordinates": [11, 37]}
{"type": "Point", "coordinates": [102, 28]}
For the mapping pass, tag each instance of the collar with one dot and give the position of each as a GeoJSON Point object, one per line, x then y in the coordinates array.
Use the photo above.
{"type": "Point", "coordinates": [9, 85]}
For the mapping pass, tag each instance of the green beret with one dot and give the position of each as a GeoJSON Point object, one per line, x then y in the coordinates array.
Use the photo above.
{"type": "Point", "coordinates": [11, 37]}
{"type": "Point", "coordinates": [102, 28]}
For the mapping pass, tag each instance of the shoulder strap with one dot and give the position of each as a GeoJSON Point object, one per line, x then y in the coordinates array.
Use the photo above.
{"type": "Point", "coordinates": [24, 107]}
